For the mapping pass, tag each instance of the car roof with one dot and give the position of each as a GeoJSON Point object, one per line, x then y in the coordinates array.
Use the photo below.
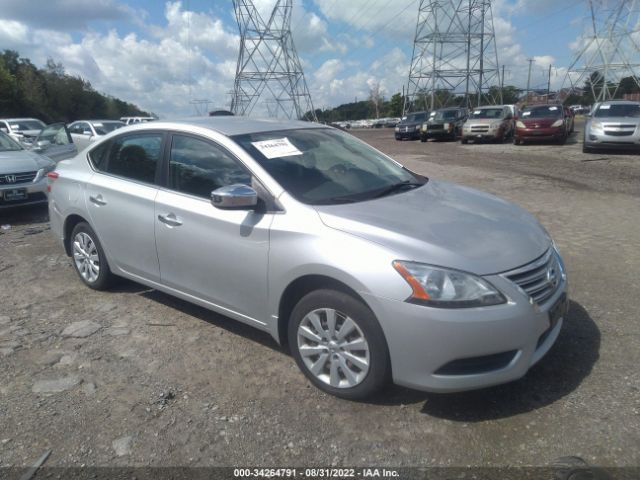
{"type": "Point", "coordinates": [20, 119]}
{"type": "Point", "coordinates": [230, 126]}
{"type": "Point", "coordinates": [619, 102]}
{"type": "Point", "coordinates": [98, 121]}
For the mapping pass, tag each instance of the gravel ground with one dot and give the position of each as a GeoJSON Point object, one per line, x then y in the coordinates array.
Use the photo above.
{"type": "Point", "coordinates": [135, 377]}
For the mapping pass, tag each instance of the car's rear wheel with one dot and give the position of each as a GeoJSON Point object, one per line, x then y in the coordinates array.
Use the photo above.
{"type": "Point", "coordinates": [89, 259]}
{"type": "Point", "coordinates": [338, 344]}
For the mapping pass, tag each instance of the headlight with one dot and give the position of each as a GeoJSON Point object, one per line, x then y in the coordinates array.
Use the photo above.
{"type": "Point", "coordinates": [494, 126]}
{"type": "Point", "coordinates": [446, 126]}
{"type": "Point", "coordinates": [557, 123]}
{"type": "Point", "coordinates": [43, 172]}
{"type": "Point", "coordinates": [397, 129]}
{"type": "Point", "coordinates": [443, 288]}
{"type": "Point", "coordinates": [417, 128]}
{"type": "Point", "coordinates": [596, 126]}
{"type": "Point", "coordinates": [519, 124]}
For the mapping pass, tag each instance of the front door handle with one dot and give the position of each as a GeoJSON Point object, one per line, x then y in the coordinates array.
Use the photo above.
{"type": "Point", "coordinates": [97, 200]}
{"type": "Point", "coordinates": [170, 219]}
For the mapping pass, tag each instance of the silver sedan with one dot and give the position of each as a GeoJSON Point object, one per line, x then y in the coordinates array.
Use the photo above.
{"type": "Point", "coordinates": [613, 124]}
{"type": "Point", "coordinates": [366, 270]}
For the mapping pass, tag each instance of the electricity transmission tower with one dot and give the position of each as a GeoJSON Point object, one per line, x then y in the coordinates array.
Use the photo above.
{"type": "Point", "coordinates": [268, 64]}
{"type": "Point", "coordinates": [611, 50]}
{"type": "Point", "coordinates": [454, 53]}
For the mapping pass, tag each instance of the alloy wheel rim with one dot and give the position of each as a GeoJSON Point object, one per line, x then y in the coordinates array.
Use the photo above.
{"type": "Point", "coordinates": [86, 257]}
{"type": "Point", "coordinates": [333, 348]}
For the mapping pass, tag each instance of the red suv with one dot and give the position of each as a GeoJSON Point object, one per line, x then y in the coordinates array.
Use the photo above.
{"type": "Point", "coordinates": [542, 122]}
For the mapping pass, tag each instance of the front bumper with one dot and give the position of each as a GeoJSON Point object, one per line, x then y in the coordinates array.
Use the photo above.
{"type": "Point", "coordinates": [424, 342]}
{"type": "Point", "coordinates": [438, 134]}
{"type": "Point", "coordinates": [532, 134]}
{"type": "Point", "coordinates": [604, 141]}
{"type": "Point", "coordinates": [36, 193]}
{"type": "Point", "coordinates": [411, 134]}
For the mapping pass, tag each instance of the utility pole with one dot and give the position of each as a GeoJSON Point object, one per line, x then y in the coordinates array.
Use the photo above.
{"type": "Point", "coordinates": [549, 85]}
{"type": "Point", "coordinates": [530, 60]}
{"type": "Point", "coordinates": [268, 64]}
{"type": "Point", "coordinates": [502, 85]}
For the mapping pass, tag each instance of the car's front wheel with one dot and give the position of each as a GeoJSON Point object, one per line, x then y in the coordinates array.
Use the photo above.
{"type": "Point", "coordinates": [339, 345]}
{"type": "Point", "coordinates": [89, 259]}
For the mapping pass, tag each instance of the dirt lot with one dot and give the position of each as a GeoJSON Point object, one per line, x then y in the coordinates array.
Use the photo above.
{"type": "Point", "coordinates": [159, 382]}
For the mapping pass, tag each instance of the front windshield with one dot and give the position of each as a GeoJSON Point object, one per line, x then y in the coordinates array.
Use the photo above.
{"type": "Point", "coordinates": [487, 113]}
{"type": "Point", "coordinates": [102, 128]}
{"type": "Point", "coordinates": [445, 115]}
{"type": "Point", "coordinates": [545, 111]}
{"type": "Point", "coordinates": [22, 125]}
{"type": "Point", "coordinates": [8, 144]}
{"type": "Point", "coordinates": [321, 166]}
{"type": "Point", "coordinates": [619, 110]}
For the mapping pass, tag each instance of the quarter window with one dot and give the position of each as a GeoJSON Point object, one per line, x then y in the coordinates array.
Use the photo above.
{"type": "Point", "coordinates": [134, 156]}
{"type": "Point", "coordinates": [198, 167]}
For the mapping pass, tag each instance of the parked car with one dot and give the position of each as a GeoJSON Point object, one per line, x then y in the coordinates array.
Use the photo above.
{"type": "Point", "coordinates": [23, 130]}
{"type": "Point", "coordinates": [613, 124]}
{"type": "Point", "coordinates": [364, 268]}
{"type": "Point", "coordinates": [543, 122]}
{"type": "Point", "coordinates": [488, 123]}
{"type": "Point", "coordinates": [445, 123]}
{"type": "Point", "coordinates": [84, 132]}
{"type": "Point", "coordinates": [131, 120]}
{"type": "Point", "coordinates": [409, 126]}
{"type": "Point", "coordinates": [23, 172]}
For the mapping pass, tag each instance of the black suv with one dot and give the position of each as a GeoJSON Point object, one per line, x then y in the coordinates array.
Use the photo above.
{"type": "Point", "coordinates": [445, 123]}
{"type": "Point", "coordinates": [409, 126]}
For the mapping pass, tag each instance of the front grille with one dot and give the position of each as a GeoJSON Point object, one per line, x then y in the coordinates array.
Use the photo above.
{"type": "Point", "coordinates": [618, 133]}
{"type": "Point", "coordinates": [436, 127]}
{"type": "Point", "coordinates": [479, 128]}
{"type": "Point", "coordinates": [539, 279]}
{"type": "Point", "coordinates": [16, 178]}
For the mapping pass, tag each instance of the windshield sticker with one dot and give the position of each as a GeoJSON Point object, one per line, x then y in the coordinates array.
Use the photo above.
{"type": "Point", "coordinates": [98, 125]}
{"type": "Point", "coordinates": [476, 112]}
{"type": "Point", "coordinates": [526, 114]}
{"type": "Point", "coordinates": [276, 148]}
{"type": "Point", "coordinates": [553, 109]}
{"type": "Point", "coordinates": [605, 107]}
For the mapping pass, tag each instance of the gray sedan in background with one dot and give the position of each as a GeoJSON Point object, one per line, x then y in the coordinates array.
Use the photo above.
{"type": "Point", "coordinates": [366, 270]}
{"type": "Point", "coordinates": [613, 124]}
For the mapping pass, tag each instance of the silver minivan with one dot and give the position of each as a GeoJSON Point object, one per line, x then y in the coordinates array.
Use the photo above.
{"type": "Point", "coordinates": [367, 271]}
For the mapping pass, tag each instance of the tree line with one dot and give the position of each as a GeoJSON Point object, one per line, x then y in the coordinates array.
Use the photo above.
{"type": "Point", "coordinates": [52, 95]}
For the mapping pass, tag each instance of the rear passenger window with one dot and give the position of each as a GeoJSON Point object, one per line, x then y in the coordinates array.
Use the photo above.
{"type": "Point", "coordinates": [98, 156]}
{"type": "Point", "coordinates": [198, 167]}
{"type": "Point", "coordinates": [135, 156]}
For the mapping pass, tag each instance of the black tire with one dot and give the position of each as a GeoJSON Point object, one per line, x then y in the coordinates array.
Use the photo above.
{"type": "Point", "coordinates": [586, 149]}
{"type": "Point", "coordinates": [104, 278]}
{"type": "Point", "coordinates": [464, 141]}
{"type": "Point", "coordinates": [516, 141]}
{"type": "Point", "coordinates": [379, 364]}
{"type": "Point", "coordinates": [423, 139]}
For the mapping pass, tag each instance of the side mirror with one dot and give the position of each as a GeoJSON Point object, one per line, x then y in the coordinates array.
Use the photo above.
{"type": "Point", "coordinates": [235, 197]}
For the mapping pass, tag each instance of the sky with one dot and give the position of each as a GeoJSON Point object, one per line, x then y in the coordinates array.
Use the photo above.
{"type": "Point", "coordinates": [163, 55]}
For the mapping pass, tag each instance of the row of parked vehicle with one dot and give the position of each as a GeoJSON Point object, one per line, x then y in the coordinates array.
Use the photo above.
{"type": "Point", "coordinates": [29, 149]}
{"type": "Point", "coordinates": [612, 124]}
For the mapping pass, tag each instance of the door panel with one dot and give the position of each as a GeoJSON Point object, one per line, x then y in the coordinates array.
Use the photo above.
{"type": "Point", "coordinates": [55, 142]}
{"type": "Point", "coordinates": [122, 214]}
{"type": "Point", "coordinates": [217, 255]}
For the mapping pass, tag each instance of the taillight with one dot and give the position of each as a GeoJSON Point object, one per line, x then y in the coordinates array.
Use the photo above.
{"type": "Point", "coordinates": [52, 176]}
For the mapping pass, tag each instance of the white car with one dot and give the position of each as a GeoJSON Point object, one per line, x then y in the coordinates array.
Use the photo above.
{"type": "Point", "coordinates": [132, 120]}
{"type": "Point", "coordinates": [84, 132]}
{"type": "Point", "coordinates": [23, 130]}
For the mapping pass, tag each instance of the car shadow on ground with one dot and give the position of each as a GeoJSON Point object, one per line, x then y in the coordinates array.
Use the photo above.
{"type": "Point", "coordinates": [220, 321]}
{"type": "Point", "coordinates": [558, 374]}
{"type": "Point", "coordinates": [28, 215]}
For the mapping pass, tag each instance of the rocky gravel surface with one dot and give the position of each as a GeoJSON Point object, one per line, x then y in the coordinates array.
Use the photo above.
{"type": "Point", "coordinates": [133, 377]}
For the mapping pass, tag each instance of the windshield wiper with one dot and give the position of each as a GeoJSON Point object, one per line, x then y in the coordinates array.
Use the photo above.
{"type": "Point", "coordinates": [396, 187]}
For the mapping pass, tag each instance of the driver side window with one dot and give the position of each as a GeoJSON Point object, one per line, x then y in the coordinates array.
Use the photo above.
{"type": "Point", "coordinates": [197, 167]}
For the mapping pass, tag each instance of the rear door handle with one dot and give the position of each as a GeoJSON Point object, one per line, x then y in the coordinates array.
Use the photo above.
{"type": "Point", "coordinates": [97, 200]}
{"type": "Point", "coordinates": [170, 219]}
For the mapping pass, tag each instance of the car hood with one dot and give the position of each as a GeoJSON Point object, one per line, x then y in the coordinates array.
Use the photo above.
{"type": "Point", "coordinates": [482, 121]}
{"type": "Point", "coordinates": [447, 225]}
{"type": "Point", "coordinates": [542, 122]}
{"type": "Point", "coordinates": [22, 161]}
{"type": "Point", "coordinates": [617, 120]}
